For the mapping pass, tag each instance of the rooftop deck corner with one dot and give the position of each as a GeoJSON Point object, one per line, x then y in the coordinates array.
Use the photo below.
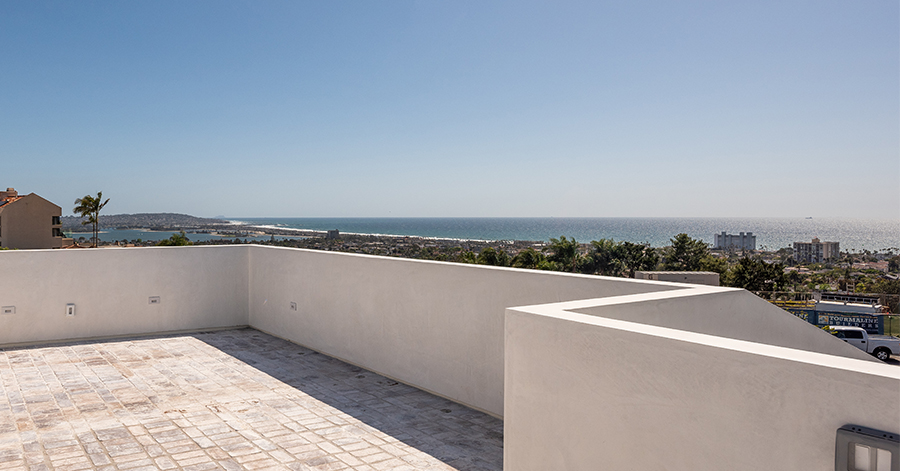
{"type": "Point", "coordinates": [233, 399]}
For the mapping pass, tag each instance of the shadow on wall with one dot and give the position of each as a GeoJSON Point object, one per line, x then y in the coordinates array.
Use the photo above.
{"type": "Point", "coordinates": [461, 437]}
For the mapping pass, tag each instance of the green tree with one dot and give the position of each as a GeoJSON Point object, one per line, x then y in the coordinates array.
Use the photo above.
{"type": "Point", "coordinates": [604, 258]}
{"type": "Point", "coordinates": [564, 253]}
{"type": "Point", "coordinates": [175, 240]}
{"type": "Point", "coordinates": [886, 286]}
{"type": "Point", "coordinates": [610, 258]}
{"type": "Point", "coordinates": [714, 264]}
{"type": "Point", "coordinates": [636, 257]}
{"type": "Point", "coordinates": [490, 256]}
{"type": "Point", "coordinates": [89, 207]}
{"type": "Point", "coordinates": [530, 258]}
{"type": "Point", "coordinates": [894, 264]}
{"type": "Point", "coordinates": [684, 254]}
{"type": "Point", "coordinates": [882, 286]}
{"type": "Point", "coordinates": [793, 279]}
{"type": "Point", "coordinates": [755, 274]}
{"type": "Point", "coordinates": [466, 256]}
{"type": "Point", "coordinates": [786, 255]}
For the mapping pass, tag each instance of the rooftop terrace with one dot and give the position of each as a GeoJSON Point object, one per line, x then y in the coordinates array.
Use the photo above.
{"type": "Point", "coordinates": [421, 365]}
{"type": "Point", "coordinates": [233, 399]}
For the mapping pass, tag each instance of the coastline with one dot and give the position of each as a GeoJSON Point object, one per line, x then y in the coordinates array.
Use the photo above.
{"type": "Point", "coordinates": [275, 230]}
{"type": "Point", "coordinates": [771, 234]}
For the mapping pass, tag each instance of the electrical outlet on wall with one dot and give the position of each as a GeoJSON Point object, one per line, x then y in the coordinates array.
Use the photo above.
{"type": "Point", "coordinates": [70, 310]}
{"type": "Point", "coordinates": [8, 310]}
{"type": "Point", "coordinates": [293, 306]}
{"type": "Point", "coordinates": [154, 299]}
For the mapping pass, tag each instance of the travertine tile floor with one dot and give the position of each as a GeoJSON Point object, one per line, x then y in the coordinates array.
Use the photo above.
{"type": "Point", "coordinates": [236, 399]}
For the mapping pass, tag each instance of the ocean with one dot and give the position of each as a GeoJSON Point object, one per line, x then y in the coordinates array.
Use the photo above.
{"type": "Point", "coordinates": [771, 233]}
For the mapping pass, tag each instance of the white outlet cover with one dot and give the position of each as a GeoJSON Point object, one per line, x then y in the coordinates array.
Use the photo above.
{"type": "Point", "coordinates": [154, 300]}
{"type": "Point", "coordinates": [70, 310]}
{"type": "Point", "coordinates": [293, 306]}
{"type": "Point", "coordinates": [8, 310]}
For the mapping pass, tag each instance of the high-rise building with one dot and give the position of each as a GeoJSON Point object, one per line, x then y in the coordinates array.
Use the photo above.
{"type": "Point", "coordinates": [816, 251]}
{"type": "Point", "coordinates": [742, 241]}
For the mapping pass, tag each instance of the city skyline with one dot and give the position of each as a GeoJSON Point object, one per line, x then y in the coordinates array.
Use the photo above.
{"type": "Point", "coordinates": [462, 109]}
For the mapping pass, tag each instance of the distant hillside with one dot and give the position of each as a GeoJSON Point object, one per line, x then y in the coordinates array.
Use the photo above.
{"type": "Point", "coordinates": [143, 220]}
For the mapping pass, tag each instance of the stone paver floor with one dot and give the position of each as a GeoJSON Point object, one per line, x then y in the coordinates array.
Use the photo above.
{"type": "Point", "coordinates": [236, 399]}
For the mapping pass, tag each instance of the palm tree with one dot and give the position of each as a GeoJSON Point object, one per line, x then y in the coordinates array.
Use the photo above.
{"type": "Point", "coordinates": [89, 207]}
{"type": "Point", "coordinates": [530, 258]}
{"type": "Point", "coordinates": [565, 253]}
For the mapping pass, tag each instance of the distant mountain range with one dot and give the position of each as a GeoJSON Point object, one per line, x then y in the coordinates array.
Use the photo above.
{"type": "Point", "coordinates": [156, 221]}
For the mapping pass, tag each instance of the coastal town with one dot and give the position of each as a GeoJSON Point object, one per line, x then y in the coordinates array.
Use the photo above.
{"type": "Point", "coordinates": [791, 277]}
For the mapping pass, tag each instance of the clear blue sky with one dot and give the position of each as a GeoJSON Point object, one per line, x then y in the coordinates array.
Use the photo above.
{"type": "Point", "coordinates": [455, 108]}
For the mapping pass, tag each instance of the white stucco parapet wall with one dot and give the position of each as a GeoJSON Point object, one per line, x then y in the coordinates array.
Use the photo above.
{"type": "Point", "coordinates": [584, 391]}
{"type": "Point", "coordinates": [197, 288]}
{"type": "Point", "coordinates": [435, 325]}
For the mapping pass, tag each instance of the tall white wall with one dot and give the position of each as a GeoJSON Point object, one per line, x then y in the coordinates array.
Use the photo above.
{"type": "Point", "coordinates": [437, 326]}
{"type": "Point", "coordinates": [585, 392]}
{"type": "Point", "coordinates": [199, 288]}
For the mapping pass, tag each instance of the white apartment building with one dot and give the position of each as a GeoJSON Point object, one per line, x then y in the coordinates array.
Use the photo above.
{"type": "Point", "coordinates": [742, 241]}
{"type": "Point", "coordinates": [816, 251]}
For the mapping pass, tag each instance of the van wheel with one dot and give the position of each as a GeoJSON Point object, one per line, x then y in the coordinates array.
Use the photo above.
{"type": "Point", "coordinates": [882, 354]}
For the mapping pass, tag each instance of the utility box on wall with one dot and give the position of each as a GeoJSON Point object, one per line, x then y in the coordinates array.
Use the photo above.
{"type": "Point", "coordinates": [863, 449]}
